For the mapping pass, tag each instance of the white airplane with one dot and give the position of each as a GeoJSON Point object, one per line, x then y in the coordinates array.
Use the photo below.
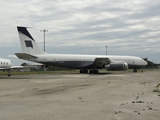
{"type": "Point", "coordinates": [32, 52]}
{"type": "Point", "coordinates": [7, 65]}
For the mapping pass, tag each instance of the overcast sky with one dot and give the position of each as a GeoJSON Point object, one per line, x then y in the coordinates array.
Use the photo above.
{"type": "Point", "coordinates": [127, 27]}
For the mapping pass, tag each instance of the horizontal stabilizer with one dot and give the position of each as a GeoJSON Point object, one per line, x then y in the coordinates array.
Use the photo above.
{"type": "Point", "coordinates": [25, 56]}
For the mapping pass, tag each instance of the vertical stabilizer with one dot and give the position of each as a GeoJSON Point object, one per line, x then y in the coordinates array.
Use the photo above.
{"type": "Point", "coordinates": [28, 44]}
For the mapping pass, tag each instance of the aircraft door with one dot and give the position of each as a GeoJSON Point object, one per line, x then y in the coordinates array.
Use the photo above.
{"type": "Point", "coordinates": [54, 59]}
{"type": "Point", "coordinates": [133, 62]}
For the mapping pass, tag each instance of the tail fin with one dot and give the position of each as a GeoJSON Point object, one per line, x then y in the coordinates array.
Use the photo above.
{"type": "Point", "coordinates": [28, 44]}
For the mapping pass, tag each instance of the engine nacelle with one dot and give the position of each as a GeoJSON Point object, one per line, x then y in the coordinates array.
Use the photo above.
{"type": "Point", "coordinates": [116, 66]}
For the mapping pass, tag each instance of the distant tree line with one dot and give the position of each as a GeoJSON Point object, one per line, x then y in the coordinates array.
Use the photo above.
{"type": "Point", "coordinates": [151, 64]}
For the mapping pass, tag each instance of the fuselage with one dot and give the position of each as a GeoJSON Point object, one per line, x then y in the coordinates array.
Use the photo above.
{"type": "Point", "coordinates": [5, 63]}
{"type": "Point", "coordinates": [85, 61]}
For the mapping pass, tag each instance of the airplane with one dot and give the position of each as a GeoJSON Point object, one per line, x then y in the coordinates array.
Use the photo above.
{"type": "Point", "coordinates": [7, 65]}
{"type": "Point", "coordinates": [86, 63]}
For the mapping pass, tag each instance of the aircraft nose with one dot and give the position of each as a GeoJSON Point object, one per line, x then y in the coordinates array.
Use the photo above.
{"type": "Point", "coordinates": [145, 63]}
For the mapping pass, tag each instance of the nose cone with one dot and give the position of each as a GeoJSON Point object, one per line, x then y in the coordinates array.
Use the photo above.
{"type": "Point", "coordinates": [145, 63]}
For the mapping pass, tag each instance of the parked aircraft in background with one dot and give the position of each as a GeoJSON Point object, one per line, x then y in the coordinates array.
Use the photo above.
{"type": "Point", "coordinates": [7, 65]}
{"type": "Point", "coordinates": [32, 52]}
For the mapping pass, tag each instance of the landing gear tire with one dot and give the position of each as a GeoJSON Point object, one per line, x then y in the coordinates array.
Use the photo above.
{"type": "Point", "coordinates": [93, 71]}
{"type": "Point", "coordinates": [83, 71]}
{"type": "Point", "coordinates": [8, 71]}
{"type": "Point", "coordinates": [135, 70]}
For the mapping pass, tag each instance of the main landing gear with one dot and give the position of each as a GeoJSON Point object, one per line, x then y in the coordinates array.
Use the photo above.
{"type": "Point", "coordinates": [94, 71]}
{"type": "Point", "coordinates": [135, 70]}
{"type": "Point", "coordinates": [83, 71]}
{"type": "Point", "coordinates": [8, 71]}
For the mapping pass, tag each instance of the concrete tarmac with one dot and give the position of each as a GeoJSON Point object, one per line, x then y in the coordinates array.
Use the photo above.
{"type": "Point", "coordinates": [110, 96]}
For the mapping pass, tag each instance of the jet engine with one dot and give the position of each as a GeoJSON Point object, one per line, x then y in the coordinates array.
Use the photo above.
{"type": "Point", "coordinates": [116, 66]}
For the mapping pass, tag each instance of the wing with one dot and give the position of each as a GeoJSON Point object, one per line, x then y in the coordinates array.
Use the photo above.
{"type": "Point", "coordinates": [4, 68]}
{"type": "Point", "coordinates": [100, 62]}
{"type": "Point", "coordinates": [11, 67]}
{"type": "Point", "coordinates": [16, 67]}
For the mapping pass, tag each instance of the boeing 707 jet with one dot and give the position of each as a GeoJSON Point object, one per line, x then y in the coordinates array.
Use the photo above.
{"type": "Point", "coordinates": [86, 63]}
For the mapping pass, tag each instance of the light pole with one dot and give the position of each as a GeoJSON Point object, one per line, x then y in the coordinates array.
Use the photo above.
{"type": "Point", "coordinates": [44, 36]}
{"type": "Point", "coordinates": [106, 50]}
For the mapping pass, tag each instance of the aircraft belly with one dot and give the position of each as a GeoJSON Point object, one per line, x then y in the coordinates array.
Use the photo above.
{"type": "Point", "coordinates": [71, 64]}
{"type": "Point", "coordinates": [134, 67]}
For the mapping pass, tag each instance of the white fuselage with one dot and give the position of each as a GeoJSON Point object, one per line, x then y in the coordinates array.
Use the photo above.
{"type": "Point", "coordinates": [80, 61]}
{"type": "Point", "coordinates": [5, 63]}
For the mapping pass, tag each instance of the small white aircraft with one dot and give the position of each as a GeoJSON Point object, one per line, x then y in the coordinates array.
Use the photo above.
{"type": "Point", "coordinates": [32, 52]}
{"type": "Point", "coordinates": [7, 65]}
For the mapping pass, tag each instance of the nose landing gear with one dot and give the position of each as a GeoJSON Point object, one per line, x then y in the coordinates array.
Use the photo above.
{"type": "Point", "coordinates": [8, 71]}
{"type": "Point", "coordinates": [135, 70]}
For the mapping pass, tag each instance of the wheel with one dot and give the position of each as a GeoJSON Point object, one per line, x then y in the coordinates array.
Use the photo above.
{"type": "Point", "coordinates": [93, 71]}
{"type": "Point", "coordinates": [135, 70]}
{"type": "Point", "coordinates": [83, 71]}
{"type": "Point", "coordinates": [96, 71]}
